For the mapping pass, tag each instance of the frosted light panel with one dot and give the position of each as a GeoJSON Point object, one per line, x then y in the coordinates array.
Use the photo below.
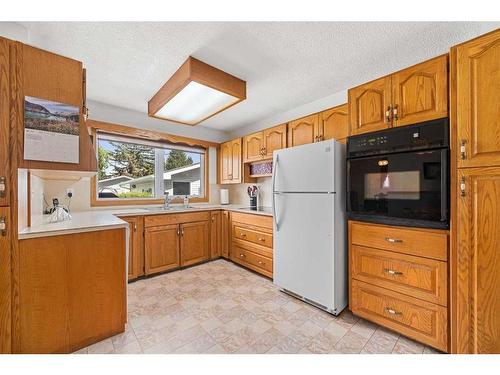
{"type": "Point", "coordinates": [194, 103]}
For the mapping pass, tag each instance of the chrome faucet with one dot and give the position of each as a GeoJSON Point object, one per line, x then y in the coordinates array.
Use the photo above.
{"type": "Point", "coordinates": [186, 201]}
{"type": "Point", "coordinates": [166, 203]}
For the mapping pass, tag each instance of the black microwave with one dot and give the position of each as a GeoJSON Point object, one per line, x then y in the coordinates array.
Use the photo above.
{"type": "Point", "coordinates": [400, 176]}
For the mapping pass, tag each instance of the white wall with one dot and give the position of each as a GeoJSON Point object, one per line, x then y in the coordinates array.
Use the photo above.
{"type": "Point", "coordinates": [14, 31]}
{"type": "Point", "coordinates": [118, 115]}
{"type": "Point", "coordinates": [295, 113]}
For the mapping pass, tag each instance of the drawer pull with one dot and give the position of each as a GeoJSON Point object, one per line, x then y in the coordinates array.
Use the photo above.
{"type": "Point", "coordinates": [393, 240]}
{"type": "Point", "coordinates": [261, 262]}
{"type": "Point", "coordinates": [392, 272]}
{"type": "Point", "coordinates": [243, 234]}
{"type": "Point", "coordinates": [242, 255]}
{"type": "Point", "coordinates": [261, 239]}
{"type": "Point", "coordinates": [392, 311]}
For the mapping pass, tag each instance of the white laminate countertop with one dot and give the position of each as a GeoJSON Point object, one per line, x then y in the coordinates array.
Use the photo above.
{"type": "Point", "coordinates": [103, 219]}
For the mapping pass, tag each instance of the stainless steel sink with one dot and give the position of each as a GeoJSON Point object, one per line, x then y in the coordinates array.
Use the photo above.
{"type": "Point", "coordinates": [171, 208]}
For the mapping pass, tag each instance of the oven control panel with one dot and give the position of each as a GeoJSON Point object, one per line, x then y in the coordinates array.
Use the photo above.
{"type": "Point", "coordinates": [431, 134]}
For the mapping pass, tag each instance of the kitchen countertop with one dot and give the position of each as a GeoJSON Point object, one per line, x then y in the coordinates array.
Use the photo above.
{"type": "Point", "coordinates": [103, 219]}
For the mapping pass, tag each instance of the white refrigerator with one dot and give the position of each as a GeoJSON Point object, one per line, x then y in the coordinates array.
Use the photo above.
{"type": "Point", "coordinates": [310, 248]}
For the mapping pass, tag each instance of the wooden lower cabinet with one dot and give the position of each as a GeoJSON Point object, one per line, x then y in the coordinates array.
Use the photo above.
{"type": "Point", "coordinates": [194, 243]}
{"type": "Point", "coordinates": [398, 278]}
{"type": "Point", "coordinates": [251, 242]}
{"type": "Point", "coordinates": [226, 234]}
{"type": "Point", "coordinates": [477, 261]}
{"type": "Point", "coordinates": [215, 234]}
{"type": "Point", "coordinates": [72, 291]}
{"type": "Point", "coordinates": [421, 320]}
{"type": "Point", "coordinates": [135, 246]}
{"type": "Point", "coordinates": [161, 248]}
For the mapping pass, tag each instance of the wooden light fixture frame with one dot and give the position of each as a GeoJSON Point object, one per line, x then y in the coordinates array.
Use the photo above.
{"type": "Point", "coordinates": [193, 70]}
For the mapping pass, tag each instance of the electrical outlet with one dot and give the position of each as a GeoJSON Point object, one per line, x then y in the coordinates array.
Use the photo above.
{"type": "Point", "coordinates": [70, 193]}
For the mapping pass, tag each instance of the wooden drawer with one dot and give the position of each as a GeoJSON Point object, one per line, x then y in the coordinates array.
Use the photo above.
{"type": "Point", "coordinates": [168, 219]}
{"type": "Point", "coordinates": [254, 236]}
{"type": "Point", "coordinates": [415, 276]}
{"type": "Point", "coordinates": [252, 260]}
{"type": "Point", "coordinates": [423, 321]}
{"type": "Point", "coordinates": [420, 242]}
{"type": "Point", "coordinates": [252, 219]}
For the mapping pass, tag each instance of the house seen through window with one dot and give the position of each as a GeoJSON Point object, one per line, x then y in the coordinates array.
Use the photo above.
{"type": "Point", "coordinates": [135, 169]}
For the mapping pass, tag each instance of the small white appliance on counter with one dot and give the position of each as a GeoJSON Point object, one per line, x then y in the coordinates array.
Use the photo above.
{"type": "Point", "coordinates": [310, 249]}
{"type": "Point", "coordinates": [224, 196]}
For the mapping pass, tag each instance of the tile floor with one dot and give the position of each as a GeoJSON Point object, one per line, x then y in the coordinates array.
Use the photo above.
{"type": "Point", "coordinates": [218, 307]}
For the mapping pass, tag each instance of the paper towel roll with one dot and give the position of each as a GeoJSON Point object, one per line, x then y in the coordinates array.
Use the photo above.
{"type": "Point", "coordinates": [224, 196]}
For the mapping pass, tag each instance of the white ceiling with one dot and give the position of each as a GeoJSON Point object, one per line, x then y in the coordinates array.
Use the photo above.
{"type": "Point", "coordinates": [285, 64]}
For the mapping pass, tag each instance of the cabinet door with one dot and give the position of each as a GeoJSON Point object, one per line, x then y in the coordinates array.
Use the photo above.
{"type": "Point", "coordinates": [478, 261]}
{"type": "Point", "coordinates": [225, 162]}
{"type": "Point", "coordinates": [368, 104]}
{"type": "Point", "coordinates": [274, 139]}
{"type": "Point", "coordinates": [5, 284]}
{"type": "Point", "coordinates": [303, 131]}
{"type": "Point", "coordinates": [476, 76]}
{"type": "Point", "coordinates": [215, 234]}
{"type": "Point", "coordinates": [253, 147]}
{"type": "Point", "coordinates": [420, 93]}
{"type": "Point", "coordinates": [236, 161]}
{"type": "Point", "coordinates": [4, 122]}
{"type": "Point", "coordinates": [334, 123]}
{"type": "Point", "coordinates": [194, 242]}
{"type": "Point", "coordinates": [161, 248]}
{"type": "Point", "coordinates": [135, 247]}
{"type": "Point", "coordinates": [225, 234]}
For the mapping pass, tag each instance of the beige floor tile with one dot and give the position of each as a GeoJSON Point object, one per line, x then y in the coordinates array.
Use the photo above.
{"type": "Point", "coordinates": [221, 308]}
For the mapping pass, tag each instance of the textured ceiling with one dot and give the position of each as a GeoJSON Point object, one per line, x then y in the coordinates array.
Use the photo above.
{"type": "Point", "coordinates": [285, 64]}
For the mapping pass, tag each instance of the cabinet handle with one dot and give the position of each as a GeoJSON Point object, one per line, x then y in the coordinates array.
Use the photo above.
{"type": "Point", "coordinates": [463, 155]}
{"type": "Point", "coordinates": [260, 262]}
{"type": "Point", "coordinates": [462, 187]}
{"type": "Point", "coordinates": [393, 240]}
{"type": "Point", "coordinates": [3, 186]}
{"type": "Point", "coordinates": [3, 226]}
{"type": "Point", "coordinates": [242, 255]}
{"type": "Point", "coordinates": [392, 272]}
{"type": "Point", "coordinates": [242, 234]}
{"type": "Point", "coordinates": [392, 311]}
{"type": "Point", "coordinates": [388, 115]}
{"type": "Point", "coordinates": [213, 219]}
{"type": "Point", "coordinates": [395, 112]}
{"type": "Point", "coordinates": [261, 239]}
{"type": "Point", "coordinates": [182, 232]}
{"type": "Point", "coordinates": [178, 232]}
{"type": "Point", "coordinates": [135, 227]}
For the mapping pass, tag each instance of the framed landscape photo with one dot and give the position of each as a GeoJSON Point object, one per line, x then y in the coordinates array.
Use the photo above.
{"type": "Point", "coordinates": [51, 131]}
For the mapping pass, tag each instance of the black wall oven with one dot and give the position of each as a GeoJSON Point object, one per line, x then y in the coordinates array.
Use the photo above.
{"type": "Point", "coordinates": [400, 176]}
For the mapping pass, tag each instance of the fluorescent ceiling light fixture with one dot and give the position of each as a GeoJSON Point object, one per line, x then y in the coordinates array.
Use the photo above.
{"type": "Point", "coordinates": [196, 92]}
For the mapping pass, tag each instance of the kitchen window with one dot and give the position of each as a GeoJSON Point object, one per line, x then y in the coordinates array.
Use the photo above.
{"type": "Point", "coordinates": [131, 169]}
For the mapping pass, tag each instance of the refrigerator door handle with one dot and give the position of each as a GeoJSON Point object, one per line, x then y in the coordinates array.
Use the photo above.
{"type": "Point", "coordinates": [275, 172]}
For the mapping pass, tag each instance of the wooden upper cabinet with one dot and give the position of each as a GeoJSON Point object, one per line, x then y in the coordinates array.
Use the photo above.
{"type": "Point", "coordinates": [57, 78]}
{"type": "Point", "coordinates": [230, 162]}
{"type": "Point", "coordinates": [161, 248]}
{"type": "Point", "coordinates": [236, 161]}
{"type": "Point", "coordinates": [475, 100]}
{"type": "Point", "coordinates": [303, 130]}
{"type": "Point", "coordinates": [4, 122]}
{"type": "Point", "coordinates": [274, 139]}
{"type": "Point", "coordinates": [253, 147]}
{"type": "Point", "coordinates": [334, 123]}
{"type": "Point", "coordinates": [194, 242]}
{"type": "Point", "coordinates": [420, 93]}
{"type": "Point", "coordinates": [478, 259]}
{"type": "Point", "coordinates": [370, 106]}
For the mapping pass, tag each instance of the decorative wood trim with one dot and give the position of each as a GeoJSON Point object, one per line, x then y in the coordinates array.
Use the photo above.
{"type": "Point", "coordinates": [149, 135]}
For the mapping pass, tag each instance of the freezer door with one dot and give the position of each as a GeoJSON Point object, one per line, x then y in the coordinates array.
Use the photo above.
{"type": "Point", "coordinates": [306, 168]}
{"type": "Point", "coordinates": [304, 236]}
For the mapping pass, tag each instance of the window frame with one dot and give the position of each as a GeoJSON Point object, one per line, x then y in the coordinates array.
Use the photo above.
{"type": "Point", "coordinates": [162, 140]}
